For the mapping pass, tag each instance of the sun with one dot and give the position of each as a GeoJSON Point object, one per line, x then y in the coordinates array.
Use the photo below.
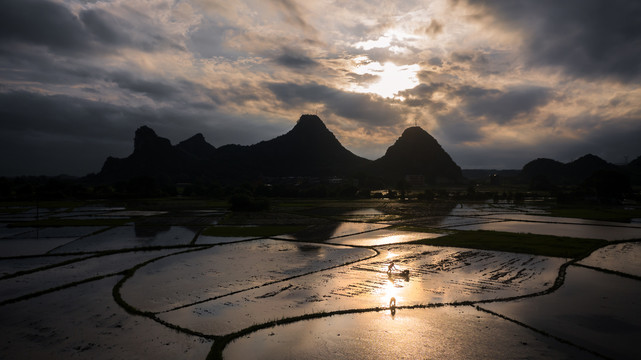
{"type": "Point", "coordinates": [392, 78]}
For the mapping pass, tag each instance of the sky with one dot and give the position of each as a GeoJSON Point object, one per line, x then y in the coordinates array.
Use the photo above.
{"type": "Point", "coordinates": [497, 83]}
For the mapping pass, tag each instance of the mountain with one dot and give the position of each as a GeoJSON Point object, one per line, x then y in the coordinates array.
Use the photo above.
{"type": "Point", "coordinates": [154, 156]}
{"type": "Point", "coordinates": [197, 147]}
{"type": "Point", "coordinates": [309, 149]}
{"type": "Point", "coordinates": [544, 169]}
{"type": "Point", "coordinates": [633, 168]}
{"type": "Point", "coordinates": [585, 166]}
{"type": "Point", "coordinates": [636, 163]}
{"type": "Point", "coordinates": [570, 173]}
{"type": "Point", "coordinates": [416, 152]}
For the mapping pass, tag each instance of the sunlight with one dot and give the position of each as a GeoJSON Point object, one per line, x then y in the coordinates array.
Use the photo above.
{"type": "Point", "coordinates": [390, 290]}
{"type": "Point", "coordinates": [391, 78]}
{"type": "Point", "coordinates": [385, 41]}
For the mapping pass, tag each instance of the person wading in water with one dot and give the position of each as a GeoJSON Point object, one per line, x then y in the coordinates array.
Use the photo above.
{"type": "Point", "coordinates": [391, 267]}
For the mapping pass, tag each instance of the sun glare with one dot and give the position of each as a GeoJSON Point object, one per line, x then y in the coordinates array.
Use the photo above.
{"type": "Point", "coordinates": [391, 78]}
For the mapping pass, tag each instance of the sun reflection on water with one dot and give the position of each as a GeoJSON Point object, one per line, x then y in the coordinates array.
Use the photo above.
{"type": "Point", "coordinates": [391, 292]}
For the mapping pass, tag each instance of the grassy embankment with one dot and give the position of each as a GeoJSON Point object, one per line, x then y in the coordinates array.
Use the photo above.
{"type": "Point", "coordinates": [544, 245]}
{"type": "Point", "coordinates": [618, 214]}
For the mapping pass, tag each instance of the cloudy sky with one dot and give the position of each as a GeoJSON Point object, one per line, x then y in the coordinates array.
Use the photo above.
{"type": "Point", "coordinates": [497, 83]}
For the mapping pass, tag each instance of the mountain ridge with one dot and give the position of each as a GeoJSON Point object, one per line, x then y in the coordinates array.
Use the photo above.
{"type": "Point", "coordinates": [309, 149]}
{"type": "Point", "coordinates": [573, 172]}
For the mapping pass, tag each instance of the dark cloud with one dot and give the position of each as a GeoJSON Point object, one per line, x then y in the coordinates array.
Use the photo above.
{"type": "Point", "coordinates": [54, 26]}
{"type": "Point", "coordinates": [296, 59]}
{"type": "Point", "coordinates": [53, 135]}
{"type": "Point", "coordinates": [435, 61]}
{"type": "Point", "coordinates": [106, 27]}
{"type": "Point", "coordinates": [36, 65]}
{"type": "Point", "coordinates": [421, 96]}
{"type": "Point", "coordinates": [60, 114]}
{"type": "Point", "coordinates": [456, 128]}
{"type": "Point", "coordinates": [478, 107]}
{"type": "Point", "coordinates": [610, 138]}
{"type": "Point", "coordinates": [157, 90]}
{"type": "Point", "coordinates": [502, 107]}
{"type": "Point", "coordinates": [43, 23]}
{"type": "Point", "coordinates": [587, 38]}
{"type": "Point", "coordinates": [112, 31]}
{"type": "Point", "coordinates": [363, 108]}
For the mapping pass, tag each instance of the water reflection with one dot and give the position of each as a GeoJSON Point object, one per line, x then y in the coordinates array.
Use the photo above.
{"type": "Point", "coordinates": [383, 237]}
{"type": "Point", "coordinates": [437, 275]}
{"type": "Point", "coordinates": [444, 333]}
{"type": "Point", "coordinates": [324, 232]}
{"type": "Point", "coordinates": [390, 291]}
{"type": "Point", "coordinates": [625, 258]}
{"type": "Point", "coordinates": [572, 230]}
{"type": "Point", "coordinates": [592, 309]}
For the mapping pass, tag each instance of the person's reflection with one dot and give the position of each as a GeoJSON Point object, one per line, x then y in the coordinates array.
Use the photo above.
{"type": "Point", "coordinates": [392, 306]}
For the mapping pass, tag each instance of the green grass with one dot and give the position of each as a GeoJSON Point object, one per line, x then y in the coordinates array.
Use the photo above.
{"type": "Point", "coordinates": [422, 229]}
{"type": "Point", "coordinates": [545, 245]}
{"type": "Point", "coordinates": [597, 213]}
{"type": "Point", "coordinates": [251, 231]}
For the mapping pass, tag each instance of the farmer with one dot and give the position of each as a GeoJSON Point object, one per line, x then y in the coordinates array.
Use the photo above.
{"type": "Point", "coordinates": [391, 267]}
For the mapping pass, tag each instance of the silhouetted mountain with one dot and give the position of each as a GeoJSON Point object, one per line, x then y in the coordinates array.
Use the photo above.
{"type": "Point", "coordinates": [585, 166]}
{"type": "Point", "coordinates": [417, 153]}
{"type": "Point", "coordinates": [155, 157]}
{"type": "Point", "coordinates": [308, 150]}
{"type": "Point", "coordinates": [146, 143]}
{"type": "Point", "coordinates": [572, 173]}
{"type": "Point", "coordinates": [633, 168]}
{"type": "Point", "coordinates": [197, 147]}
{"type": "Point", "coordinates": [544, 169]}
{"type": "Point", "coordinates": [635, 163]}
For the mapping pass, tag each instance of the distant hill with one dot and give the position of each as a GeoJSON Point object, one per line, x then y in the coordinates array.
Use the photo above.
{"type": "Point", "coordinates": [308, 150]}
{"type": "Point", "coordinates": [635, 163]}
{"type": "Point", "coordinates": [634, 170]}
{"type": "Point", "coordinates": [557, 173]}
{"type": "Point", "coordinates": [197, 147]}
{"type": "Point", "coordinates": [417, 153]}
{"type": "Point", "coordinates": [155, 157]}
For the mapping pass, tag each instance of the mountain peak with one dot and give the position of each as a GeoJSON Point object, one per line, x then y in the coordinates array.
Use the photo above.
{"type": "Point", "coordinates": [145, 132]}
{"type": "Point", "coordinates": [416, 132]}
{"type": "Point", "coordinates": [147, 140]}
{"type": "Point", "coordinates": [196, 139]}
{"type": "Point", "coordinates": [416, 152]}
{"type": "Point", "coordinates": [308, 149]}
{"type": "Point", "coordinates": [589, 158]}
{"type": "Point", "coordinates": [197, 146]}
{"type": "Point", "coordinates": [309, 123]}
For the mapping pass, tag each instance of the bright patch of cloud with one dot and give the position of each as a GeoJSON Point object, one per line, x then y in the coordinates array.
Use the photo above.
{"type": "Point", "coordinates": [392, 78]}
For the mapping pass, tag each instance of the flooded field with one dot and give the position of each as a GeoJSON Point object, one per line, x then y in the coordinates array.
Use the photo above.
{"type": "Point", "coordinates": [123, 283]}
